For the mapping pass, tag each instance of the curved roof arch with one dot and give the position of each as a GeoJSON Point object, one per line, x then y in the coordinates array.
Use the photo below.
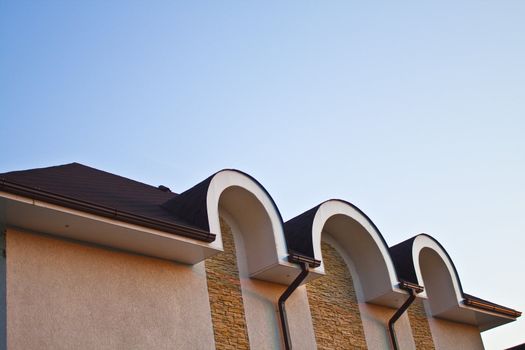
{"type": "Point", "coordinates": [424, 241]}
{"type": "Point", "coordinates": [355, 233]}
{"type": "Point", "coordinates": [407, 259]}
{"type": "Point", "coordinates": [248, 201]}
{"type": "Point", "coordinates": [423, 260]}
{"type": "Point", "coordinates": [241, 194]}
{"type": "Point", "coordinates": [194, 204]}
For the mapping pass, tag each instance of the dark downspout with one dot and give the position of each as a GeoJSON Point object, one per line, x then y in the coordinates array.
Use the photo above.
{"type": "Point", "coordinates": [412, 289]}
{"type": "Point", "coordinates": [282, 300]}
{"type": "Point", "coordinates": [304, 262]}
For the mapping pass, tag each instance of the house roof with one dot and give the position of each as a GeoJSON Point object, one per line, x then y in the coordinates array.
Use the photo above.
{"type": "Point", "coordinates": [298, 230]}
{"type": "Point", "coordinates": [402, 256]}
{"type": "Point", "coordinates": [298, 233]}
{"type": "Point", "coordinates": [81, 187]}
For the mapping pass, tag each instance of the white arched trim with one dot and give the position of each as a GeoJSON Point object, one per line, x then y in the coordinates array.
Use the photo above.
{"type": "Point", "coordinates": [424, 241]}
{"type": "Point", "coordinates": [435, 271]}
{"type": "Point", "coordinates": [260, 222]}
{"type": "Point", "coordinates": [362, 242]}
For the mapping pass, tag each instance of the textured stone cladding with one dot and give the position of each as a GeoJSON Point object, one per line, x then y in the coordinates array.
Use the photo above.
{"type": "Point", "coordinates": [224, 289]}
{"type": "Point", "coordinates": [420, 327]}
{"type": "Point", "coordinates": [333, 304]}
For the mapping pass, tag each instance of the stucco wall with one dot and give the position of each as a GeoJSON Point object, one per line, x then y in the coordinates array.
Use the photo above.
{"type": "Point", "coordinates": [66, 295]}
{"type": "Point", "coordinates": [375, 322]}
{"type": "Point", "coordinates": [453, 335]}
{"type": "Point", "coordinates": [3, 325]}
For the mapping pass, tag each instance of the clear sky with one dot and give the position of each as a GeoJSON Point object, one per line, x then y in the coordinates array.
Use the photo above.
{"type": "Point", "coordinates": [414, 111]}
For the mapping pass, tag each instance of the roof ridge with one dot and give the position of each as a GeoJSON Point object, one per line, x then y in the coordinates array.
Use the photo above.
{"type": "Point", "coordinates": [90, 168]}
{"type": "Point", "coordinates": [42, 168]}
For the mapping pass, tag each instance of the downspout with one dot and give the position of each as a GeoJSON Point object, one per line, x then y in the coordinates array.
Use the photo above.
{"type": "Point", "coordinates": [413, 290]}
{"type": "Point", "coordinates": [305, 263]}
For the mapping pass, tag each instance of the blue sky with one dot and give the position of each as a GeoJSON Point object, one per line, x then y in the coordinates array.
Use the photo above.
{"type": "Point", "coordinates": [413, 111]}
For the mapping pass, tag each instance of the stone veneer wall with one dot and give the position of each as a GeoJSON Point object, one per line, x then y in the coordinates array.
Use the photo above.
{"type": "Point", "coordinates": [224, 289]}
{"type": "Point", "coordinates": [419, 325]}
{"type": "Point", "coordinates": [333, 304]}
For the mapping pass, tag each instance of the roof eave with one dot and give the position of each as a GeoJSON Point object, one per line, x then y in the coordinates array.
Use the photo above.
{"type": "Point", "coordinates": [111, 213]}
{"type": "Point", "coordinates": [488, 306]}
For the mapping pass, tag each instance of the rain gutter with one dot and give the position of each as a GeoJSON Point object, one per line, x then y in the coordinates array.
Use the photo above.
{"type": "Point", "coordinates": [108, 212]}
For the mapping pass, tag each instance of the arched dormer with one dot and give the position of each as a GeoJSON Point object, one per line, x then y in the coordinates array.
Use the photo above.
{"type": "Point", "coordinates": [358, 237]}
{"type": "Point", "coordinates": [253, 210]}
{"type": "Point", "coordinates": [424, 261]}
{"type": "Point", "coordinates": [436, 272]}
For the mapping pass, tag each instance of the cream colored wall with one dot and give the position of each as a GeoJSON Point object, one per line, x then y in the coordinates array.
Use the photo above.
{"type": "Point", "coordinates": [66, 295]}
{"type": "Point", "coordinates": [375, 323]}
{"type": "Point", "coordinates": [260, 305]}
{"type": "Point", "coordinates": [375, 317]}
{"type": "Point", "coordinates": [3, 334]}
{"type": "Point", "coordinates": [453, 335]}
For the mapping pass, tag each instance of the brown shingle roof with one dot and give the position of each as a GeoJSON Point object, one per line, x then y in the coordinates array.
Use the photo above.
{"type": "Point", "coordinates": [94, 188]}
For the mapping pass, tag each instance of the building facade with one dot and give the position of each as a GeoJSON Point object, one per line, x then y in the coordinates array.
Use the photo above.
{"type": "Point", "coordinates": [93, 260]}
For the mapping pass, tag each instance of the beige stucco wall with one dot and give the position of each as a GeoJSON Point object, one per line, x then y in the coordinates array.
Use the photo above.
{"type": "Point", "coordinates": [453, 335]}
{"type": "Point", "coordinates": [3, 330]}
{"type": "Point", "coordinates": [375, 322]}
{"type": "Point", "coordinates": [67, 295]}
